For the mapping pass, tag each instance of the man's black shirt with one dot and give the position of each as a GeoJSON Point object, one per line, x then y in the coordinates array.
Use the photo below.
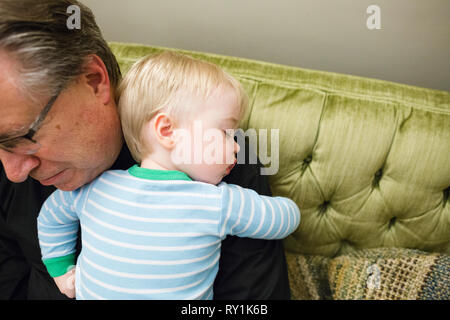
{"type": "Point", "coordinates": [248, 268]}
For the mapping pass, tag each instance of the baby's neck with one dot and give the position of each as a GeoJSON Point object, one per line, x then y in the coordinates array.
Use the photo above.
{"type": "Point", "coordinates": [151, 164]}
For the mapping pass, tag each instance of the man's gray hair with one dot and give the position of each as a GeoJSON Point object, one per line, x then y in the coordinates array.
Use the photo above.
{"type": "Point", "coordinates": [51, 55]}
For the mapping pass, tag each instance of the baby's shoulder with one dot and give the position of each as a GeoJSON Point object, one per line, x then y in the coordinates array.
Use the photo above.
{"type": "Point", "coordinates": [200, 187]}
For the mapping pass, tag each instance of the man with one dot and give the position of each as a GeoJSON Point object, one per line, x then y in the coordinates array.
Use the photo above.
{"type": "Point", "coordinates": [59, 127]}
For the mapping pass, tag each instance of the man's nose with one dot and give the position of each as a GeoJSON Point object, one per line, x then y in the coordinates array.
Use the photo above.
{"type": "Point", "coordinates": [18, 166]}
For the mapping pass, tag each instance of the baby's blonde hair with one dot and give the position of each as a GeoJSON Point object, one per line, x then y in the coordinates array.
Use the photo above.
{"type": "Point", "coordinates": [163, 82]}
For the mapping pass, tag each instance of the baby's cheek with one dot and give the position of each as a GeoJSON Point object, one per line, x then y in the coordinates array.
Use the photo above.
{"type": "Point", "coordinates": [229, 152]}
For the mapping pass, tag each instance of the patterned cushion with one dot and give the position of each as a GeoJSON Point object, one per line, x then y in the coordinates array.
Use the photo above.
{"type": "Point", "coordinates": [371, 274]}
{"type": "Point", "coordinates": [390, 274]}
{"type": "Point", "coordinates": [308, 277]}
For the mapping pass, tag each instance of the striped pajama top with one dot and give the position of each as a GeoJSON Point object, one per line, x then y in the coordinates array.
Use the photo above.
{"type": "Point", "coordinates": [153, 234]}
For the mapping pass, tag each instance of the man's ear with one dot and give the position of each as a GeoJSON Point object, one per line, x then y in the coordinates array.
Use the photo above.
{"type": "Point", "coordinates": [163, 128]}
{"type": "Point", "coordinates": [96, 75]}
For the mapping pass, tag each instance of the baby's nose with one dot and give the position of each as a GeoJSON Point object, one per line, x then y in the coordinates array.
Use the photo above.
{"type": "Point", "coordinates": [236, 147]}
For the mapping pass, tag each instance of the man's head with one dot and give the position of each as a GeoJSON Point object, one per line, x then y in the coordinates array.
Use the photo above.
{"type": "Point", "coordinates": [74, 73]}
{"type": "Point", "coordinates": [171, 104]}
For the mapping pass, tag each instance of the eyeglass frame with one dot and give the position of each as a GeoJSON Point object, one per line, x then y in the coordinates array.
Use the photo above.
{"type": "Point", "coordinates": [35, 125]}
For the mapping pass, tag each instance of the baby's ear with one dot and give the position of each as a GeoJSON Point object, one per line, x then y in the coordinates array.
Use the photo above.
{"type": "Point", "coordinates": [163, 129]}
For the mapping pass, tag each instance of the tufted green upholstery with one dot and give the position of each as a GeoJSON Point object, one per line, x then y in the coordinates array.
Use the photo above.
{"type": "Point", "coordinates": [367, 161]}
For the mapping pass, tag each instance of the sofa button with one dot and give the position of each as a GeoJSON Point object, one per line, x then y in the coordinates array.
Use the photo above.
{"type": "Point", "coordinates": [323, 207]}
{"type": "Point", "coordinates": [306, 162]}
{"type": "Point", "coordinates": [308, 159]}
{"type": "Point", "coordinates": [377, 178]}
{"type": "Point", "coordinates": [392, 222]}
{"type": "Point", "coordinates": [346, 243]}
{"type": "Point", "coordinates": [446, 195]}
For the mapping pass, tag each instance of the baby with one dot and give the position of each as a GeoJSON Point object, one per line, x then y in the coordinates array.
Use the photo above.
{"type": "Point", "coordinates": [154, 231]}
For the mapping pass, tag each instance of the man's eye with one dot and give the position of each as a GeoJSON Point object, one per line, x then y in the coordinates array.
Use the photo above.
{"type": "Point", "coordinates": [11, 144]}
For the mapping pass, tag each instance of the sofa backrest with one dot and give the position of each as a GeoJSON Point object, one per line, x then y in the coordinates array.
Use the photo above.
{"type": "Point", "coordinates": [367, 161]}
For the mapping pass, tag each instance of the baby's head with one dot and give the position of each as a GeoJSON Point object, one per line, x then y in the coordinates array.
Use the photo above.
{"type": "Point", "coordinates": [175, 112]}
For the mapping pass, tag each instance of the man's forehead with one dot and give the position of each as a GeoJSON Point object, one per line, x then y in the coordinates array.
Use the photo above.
{"type": "Point", "coordinates": [16, 111]}
{"type": "Point", "coordinates": [13, 125]}
{"type": "Point", "coordinates": [9, 67]}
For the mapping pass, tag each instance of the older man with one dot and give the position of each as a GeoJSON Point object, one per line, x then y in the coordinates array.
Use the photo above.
{"type": "Point", "coordinates": [59, 128]}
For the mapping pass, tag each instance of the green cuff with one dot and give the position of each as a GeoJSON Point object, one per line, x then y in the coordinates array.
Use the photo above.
{"type": "Point", "coordinates": [60, 265]}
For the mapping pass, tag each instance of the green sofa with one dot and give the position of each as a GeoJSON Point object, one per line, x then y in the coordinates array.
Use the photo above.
{"type": "Point", "coordinates": [368, 163]}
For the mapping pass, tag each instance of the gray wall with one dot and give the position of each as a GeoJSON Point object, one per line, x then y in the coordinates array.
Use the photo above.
{"type": "Point", "coordinates": [412, 46]}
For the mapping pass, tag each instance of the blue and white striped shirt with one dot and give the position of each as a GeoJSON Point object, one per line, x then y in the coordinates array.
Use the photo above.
{"type": "Point", "coordinates": [154, 239]}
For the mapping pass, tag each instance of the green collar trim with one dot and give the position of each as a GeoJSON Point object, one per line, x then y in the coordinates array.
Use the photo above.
{"type": "Point", "coordinates": [154, 174]}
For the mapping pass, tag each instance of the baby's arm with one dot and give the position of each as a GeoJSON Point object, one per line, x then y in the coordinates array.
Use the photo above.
{"type": "Point", "coordinates": [248, 214]}
{"type": "Point", "coordinates": [57, 232]}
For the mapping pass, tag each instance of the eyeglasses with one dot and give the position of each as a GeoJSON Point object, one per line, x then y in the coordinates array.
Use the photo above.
{"type": "Point", "coordinates": [25, 144]}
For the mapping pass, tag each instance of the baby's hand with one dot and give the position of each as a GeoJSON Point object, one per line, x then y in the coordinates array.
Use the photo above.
{"type": "Point", "coordinates": [66, 283]}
